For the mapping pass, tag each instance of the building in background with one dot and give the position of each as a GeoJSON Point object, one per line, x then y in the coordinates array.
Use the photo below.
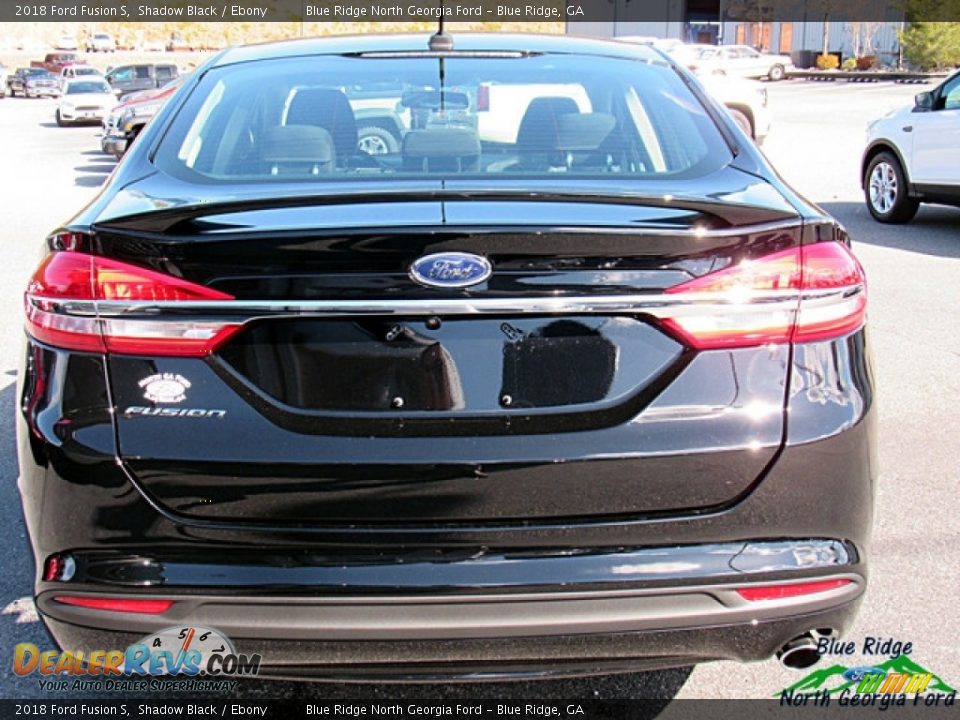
{"type": "Point", "coordinates": [729, 22]}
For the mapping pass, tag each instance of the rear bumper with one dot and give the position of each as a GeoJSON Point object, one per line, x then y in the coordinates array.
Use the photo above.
{"type": "Point", "coordinates": [592, 628]}
{"type": "Point", "coordinates": [495, 658]}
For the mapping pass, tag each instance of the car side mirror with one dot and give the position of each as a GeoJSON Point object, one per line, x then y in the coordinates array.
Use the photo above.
{"type": "Point", "coordinates": [924, 101]}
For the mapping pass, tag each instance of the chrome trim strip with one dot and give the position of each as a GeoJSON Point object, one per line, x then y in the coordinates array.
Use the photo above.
{"type": "Point", "coordinates": [655, 304]}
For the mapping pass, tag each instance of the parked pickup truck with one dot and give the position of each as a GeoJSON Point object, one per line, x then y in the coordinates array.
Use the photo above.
{"type": "Point", "coordinates": [142, 76]}
{"type": "Point", "coordinates": [55, 62]}
{"type": "Point", "coordinates": [124, 123]}
{"type": "Point", "coordinates": [32, 82]}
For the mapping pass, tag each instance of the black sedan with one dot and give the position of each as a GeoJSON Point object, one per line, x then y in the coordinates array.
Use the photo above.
{"type": "Point", "coordinates": [568, 382]}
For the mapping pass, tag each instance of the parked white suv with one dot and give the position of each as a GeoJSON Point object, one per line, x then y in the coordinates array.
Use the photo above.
{"type": "Point", "coordinates": [101, 42]}
{"type": "Point", "coordinates": [913, 155]}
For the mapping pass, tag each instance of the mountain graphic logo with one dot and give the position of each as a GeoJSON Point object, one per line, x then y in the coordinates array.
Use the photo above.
{"type": "Point", "coordinates": [831, 680]}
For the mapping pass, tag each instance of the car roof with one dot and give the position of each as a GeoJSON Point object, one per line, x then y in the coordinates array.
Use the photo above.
{"type": "Point", "coordinates": [475, 42]}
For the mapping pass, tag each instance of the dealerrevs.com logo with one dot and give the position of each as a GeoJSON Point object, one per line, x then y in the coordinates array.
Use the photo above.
{"type": "Point", "coordinates": [183, 653]}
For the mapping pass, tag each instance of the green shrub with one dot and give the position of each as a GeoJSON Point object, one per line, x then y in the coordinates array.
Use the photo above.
{"type": "Point", "coordinates": [849, 64]}
{"type": "Point", "coordinates": [932, 45]}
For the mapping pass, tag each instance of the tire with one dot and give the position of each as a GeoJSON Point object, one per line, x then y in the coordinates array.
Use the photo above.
{"type": "Point", "coordinates": [742, 120]}
{"type": "Point", "coordinates": [777, 73]}
{"type": "Point", "coordinates": [375, 140]}
{"type": "Point", "coordinates": [130, 140]}
{"type": "Point", "coordinates": [885, 190]}
{"type": "Point", "coordinates": [60, 121]}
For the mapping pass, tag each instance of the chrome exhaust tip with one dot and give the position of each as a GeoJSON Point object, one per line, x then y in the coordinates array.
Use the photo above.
{"type": "Point", "coordinates": [801, 652]}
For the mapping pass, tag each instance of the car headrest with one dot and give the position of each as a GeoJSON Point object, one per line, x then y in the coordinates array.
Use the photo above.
{"type": "Point", "coordinates": [584, 132]}
{"type": "Point", "coordinates": [305, 145]}
{"type": "Point", "coordinates": [441, 142]}
{"type": "Point", "coordinates": [441, 149]}
{"type": "Point", "coordinates": [329, 109]}
{"type": "Point", "coordinates": [538, 128]}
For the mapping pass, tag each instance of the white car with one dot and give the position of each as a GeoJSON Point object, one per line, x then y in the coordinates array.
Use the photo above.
{"type": "Point", "coordinates": [66, 42]}
{"type": "Point", "coordinates": [743, 61]}
{"type": "Point", "coordinates": [85, 99]}
{"type": "Point", "coordinates": [745, 100]}
{"type": "Point", "coordinates": [913, 155]}
{"type": "Point", "coordinates": [72, 72]}
{"type": "Point", "coordinates": [101, 42]}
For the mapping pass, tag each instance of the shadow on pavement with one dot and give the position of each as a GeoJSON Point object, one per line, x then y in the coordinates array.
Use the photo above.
{"type": "Point", "coordinates": [105, 168]}
{"type": "Point", "coordinates": [934, 231]}
{"type": "Point", "coordinates": [18, 619]}
{"type": "Point", "coordinates": [90, 180]}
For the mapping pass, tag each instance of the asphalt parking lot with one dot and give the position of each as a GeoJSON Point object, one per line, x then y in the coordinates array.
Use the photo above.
{"type": "Point", "coordinates": [47, 173]}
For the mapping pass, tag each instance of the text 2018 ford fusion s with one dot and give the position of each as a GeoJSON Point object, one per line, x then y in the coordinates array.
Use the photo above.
{"type": "Point", "coordinates": [567, 382]}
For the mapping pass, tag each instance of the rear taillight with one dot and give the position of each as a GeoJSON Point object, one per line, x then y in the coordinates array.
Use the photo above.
{"type": "Point", "coordinates": [143, 606]}
{"type": "Point", "coordinates": [63, 294]}
{"type": "Point", "coordinates": [483, 98]}
{"type": "Point", "coordinates": [760, 593]}
{"type": "Point", "coordinates": [806, 293]}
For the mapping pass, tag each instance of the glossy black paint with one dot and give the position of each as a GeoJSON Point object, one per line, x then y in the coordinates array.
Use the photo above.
{"type": "Point", "coordinates": [619, 447]}
{"type": "Point", "coordinates": [70, 449]}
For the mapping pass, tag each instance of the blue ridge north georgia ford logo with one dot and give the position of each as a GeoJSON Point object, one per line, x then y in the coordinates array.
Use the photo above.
{"type": "Point", "coordinates": [450, 269]}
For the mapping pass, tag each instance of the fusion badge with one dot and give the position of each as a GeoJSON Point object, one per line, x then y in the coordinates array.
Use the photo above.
{"type": "Point", "coordinates": [450, 269]}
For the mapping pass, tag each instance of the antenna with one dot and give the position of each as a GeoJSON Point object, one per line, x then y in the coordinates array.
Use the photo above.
{"type": "Point", "coordinates": [440, 41]}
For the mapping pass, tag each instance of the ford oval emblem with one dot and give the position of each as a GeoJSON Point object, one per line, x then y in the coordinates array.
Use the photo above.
{"type": "Point", "coordinates": [450, 269]}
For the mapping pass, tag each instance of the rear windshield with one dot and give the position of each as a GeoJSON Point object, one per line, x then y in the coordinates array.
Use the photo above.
{"type": "Point", "coordinates": [348, 117]}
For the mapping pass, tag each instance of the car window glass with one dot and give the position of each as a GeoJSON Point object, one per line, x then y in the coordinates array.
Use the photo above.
{"type": "Point", "coordinates": [122, 74]}
{"type": "Point", "coordinates": [951, 94]}
{"type": "Point", "coordinates": [562, 115]}
{"type": "Point", "coordinates": [142, 72]}
{"type": "Point", "coordinates": [87, 86]}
